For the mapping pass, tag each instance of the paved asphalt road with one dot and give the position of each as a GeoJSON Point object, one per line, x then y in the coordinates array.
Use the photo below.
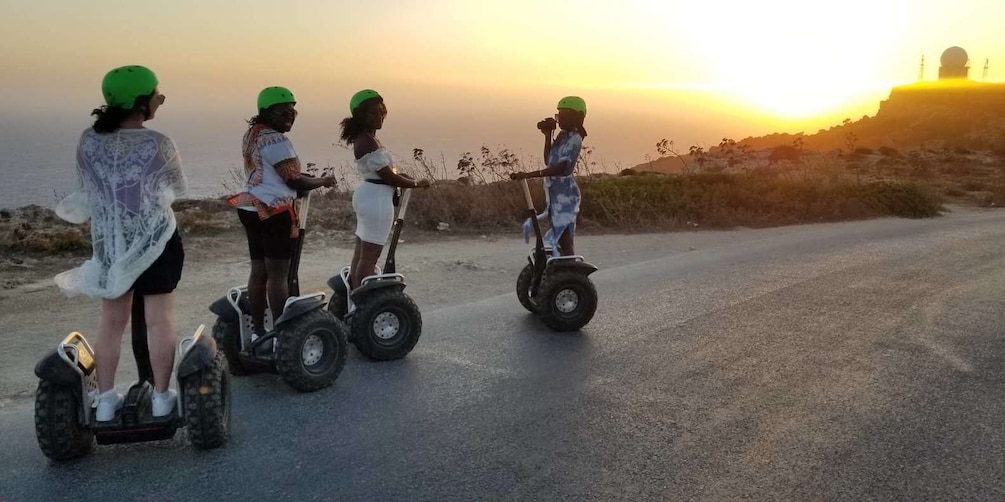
{"type": "Point", "coordinates": [828, 362]}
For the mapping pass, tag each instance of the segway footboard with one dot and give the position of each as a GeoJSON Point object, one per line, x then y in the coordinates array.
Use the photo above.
{"type": "Point", "coordinates": [233, 329]}
{"type": "Point", "coordinates": [135, 421]}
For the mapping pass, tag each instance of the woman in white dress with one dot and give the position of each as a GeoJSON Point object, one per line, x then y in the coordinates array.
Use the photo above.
{"type": "Point", "coordinates": [372, 200]}
{"type": "Point", "coordinates": [129, 175]}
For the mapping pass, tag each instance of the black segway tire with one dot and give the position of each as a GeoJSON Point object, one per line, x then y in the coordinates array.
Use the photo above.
{"type": "Point", "coordinates": [523, 284]}
{"type": "Point", "coordinates": [387, 306]}
{"type": "Point", "coordinates": [227, 336]}
{"type": "Point", "coordinates": [57, 426]}
{"type": "Point", "coordinates": [312, 350]}
{"type": "Point", "coordinates": [336, 305]}
{"type": "Point", "coordinates": [207, 404]}
{"type": "Point", "coordinates": [567, 301]}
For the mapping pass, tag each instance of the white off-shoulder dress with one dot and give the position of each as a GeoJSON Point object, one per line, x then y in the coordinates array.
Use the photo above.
{"type": "Point", "coordinates": [372, 202]}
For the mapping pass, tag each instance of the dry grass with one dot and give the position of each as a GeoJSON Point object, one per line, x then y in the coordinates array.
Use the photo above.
{"type": "Point", "coordinates": [818, 188]}
{"type": "Point", "coordinates": [750, 199]}
{"type": "Point", "coordinates": [959, 176]}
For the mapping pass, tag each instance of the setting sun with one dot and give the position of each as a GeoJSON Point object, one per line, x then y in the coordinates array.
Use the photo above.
{"type": "Point", "coordinates": [794, 59]}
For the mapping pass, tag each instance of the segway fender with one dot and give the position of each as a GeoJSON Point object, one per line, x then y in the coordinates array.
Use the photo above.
{"type": "Point", "coordinates": [336, 283]}
{"type": "Point", "coordinates": [224, 310]}
{"type": "Point", "coordinates": [360, 292]}
{"type": "Point", "coordinates": [53, 368]}
{"type": "Point", "coordinates": [198, 357]}
{"type": "Point", "coordinates": [72, 359]}
{"type": "Point", "coordinates": [575, 266]}
{"type": "Point", "coordinates": [300, 307]}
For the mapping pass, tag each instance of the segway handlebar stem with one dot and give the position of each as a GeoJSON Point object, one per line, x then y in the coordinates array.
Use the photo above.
{"type": "Point", "coordinates": [526, 194]}
{"type": "Point", "coordinates": [305, 204]}
{"type": "Point", "coordinates": [406, 195]}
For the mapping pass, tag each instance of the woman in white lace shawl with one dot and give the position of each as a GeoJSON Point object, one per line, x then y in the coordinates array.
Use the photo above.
{"type": "Point", "coordinates": [372, 200]}
{"type": "Point", "coordinates": [129, 175]}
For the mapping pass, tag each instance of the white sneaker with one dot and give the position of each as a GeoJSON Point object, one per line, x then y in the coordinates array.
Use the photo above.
{"type": "Point", "coordinates": [164, 404]}
{"type": "Point", "coordinates": [109, 402]}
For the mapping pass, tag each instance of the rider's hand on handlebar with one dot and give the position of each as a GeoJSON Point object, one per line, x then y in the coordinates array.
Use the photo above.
{"type": "Point", "coordinates": [329, 181]}
{"type": "Point", "coordinates": [422, 184]}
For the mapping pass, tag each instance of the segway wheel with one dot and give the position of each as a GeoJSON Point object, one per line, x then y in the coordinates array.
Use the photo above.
{"type": "Point", "coordinates": [57, 423]}
{"type": "Point", "coordinates": [336, 305]}
{"type": "Point", "coordinates": [207, 404]}
{"type": "Point", "coordinates": [387, 325]}
{"type": "Point", "coordinates": [312, 350]}
{"type": "Point", "coordinates": [567, 301]}
{"type": "Point", "coordinates": [228, 337]}
{"type": "Point", "coordinates": [523, 284]}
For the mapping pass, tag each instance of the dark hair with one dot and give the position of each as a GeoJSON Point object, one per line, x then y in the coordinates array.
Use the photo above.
{"type": "Point", "coordinates": [109, 118]}
{"type": "Point", "coordinates": [353, 125]}
{"type": "Point", "coordinates": [257, 119]}
{"type": "Point", "coordinates": [580, 118]}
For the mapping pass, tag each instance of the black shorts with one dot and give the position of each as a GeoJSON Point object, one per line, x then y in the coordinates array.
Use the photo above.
{"type": "Point", "coordinates": [269, 238]}
{"type": "Point", "coordinates": [163, 275]}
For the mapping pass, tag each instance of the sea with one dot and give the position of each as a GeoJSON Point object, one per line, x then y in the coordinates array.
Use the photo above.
{"type": "Point", "coordinates": [38, 153]}
{"type": "Point", "coordinates": [37, 161]}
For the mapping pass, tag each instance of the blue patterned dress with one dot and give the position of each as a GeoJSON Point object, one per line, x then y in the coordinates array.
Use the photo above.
{"type": "Point", "coordinates": [562, 195]}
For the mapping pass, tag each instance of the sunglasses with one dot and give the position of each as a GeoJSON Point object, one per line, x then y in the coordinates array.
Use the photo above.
{"type": "Point", "coordinates": [285, 112]}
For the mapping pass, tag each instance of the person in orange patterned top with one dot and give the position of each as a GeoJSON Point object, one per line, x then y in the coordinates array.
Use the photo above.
{"type": "Point", "coordinates": [265, 206]}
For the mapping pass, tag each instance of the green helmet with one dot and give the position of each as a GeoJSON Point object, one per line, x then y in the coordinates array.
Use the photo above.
{"type": "Point", "coordinates": [574, 103]}
{"type": "Point", "coordinates": [124, 84]}
{"type": "Point", "coordinates": [361, 96]}
{"type": "Point", "coordinates": [273, 96]}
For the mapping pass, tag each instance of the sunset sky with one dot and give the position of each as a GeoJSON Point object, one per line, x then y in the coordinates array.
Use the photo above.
{"type": "Point", "coordinates": [457, 74]}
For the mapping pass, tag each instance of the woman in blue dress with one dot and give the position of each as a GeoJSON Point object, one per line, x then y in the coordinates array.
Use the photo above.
{"type": "Point", "coordinates": [562, 195]}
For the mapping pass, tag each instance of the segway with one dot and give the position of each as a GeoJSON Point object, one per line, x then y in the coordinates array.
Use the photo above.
{"type": "Point", "coordinates": [384, 322]}
{"type": "Point", "coordinates": [65, 403]}
{"type": "Point", "coordinates": [306, 345]}
{"type": "Point", "coordinates": [556, 288]}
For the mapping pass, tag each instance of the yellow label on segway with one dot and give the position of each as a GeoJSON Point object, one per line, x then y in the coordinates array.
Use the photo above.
{"type": "Point", "coordinates": [86, 359]}
{"type": "Point", "coordinates": [84, 356]}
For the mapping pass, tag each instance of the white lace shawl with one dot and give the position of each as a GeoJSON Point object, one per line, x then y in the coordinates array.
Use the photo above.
{"type": "Point", "coordinates": [128, 180]}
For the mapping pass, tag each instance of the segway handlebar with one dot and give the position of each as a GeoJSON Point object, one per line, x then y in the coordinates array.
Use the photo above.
{"type": "Point", "coordinates": [526, 194]}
